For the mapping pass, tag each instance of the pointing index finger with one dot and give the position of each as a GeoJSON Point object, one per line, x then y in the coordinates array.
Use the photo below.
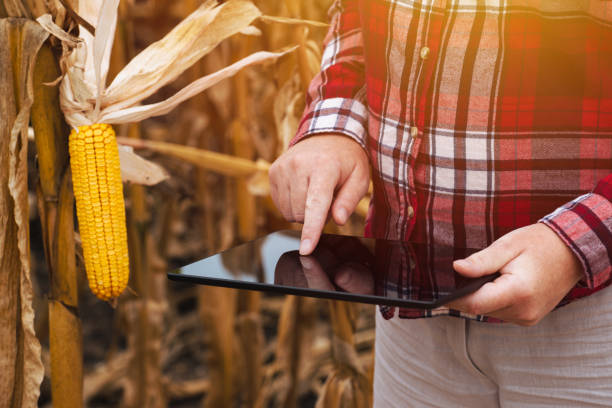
{"type": "Point", "coordinates": [318, 201]}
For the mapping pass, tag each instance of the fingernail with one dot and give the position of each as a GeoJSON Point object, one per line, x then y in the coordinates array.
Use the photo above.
{"type": "Point", "coordinates": [342, 215]}
{"type": "Point", "coordinates": [306, 262]}
{"type": "Point", "coordinates": [305, 247]}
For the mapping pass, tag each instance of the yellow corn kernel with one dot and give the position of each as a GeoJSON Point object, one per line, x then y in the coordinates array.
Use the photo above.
{"type": "Point", "coordinates": [96, 179]}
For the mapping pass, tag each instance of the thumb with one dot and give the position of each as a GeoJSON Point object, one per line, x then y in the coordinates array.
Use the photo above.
{"type": "Point", "coordinates": [347, 198]}
{"type": "Point", "coordinates": [489, 260]}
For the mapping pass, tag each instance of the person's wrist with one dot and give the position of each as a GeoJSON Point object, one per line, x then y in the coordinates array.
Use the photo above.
{"type": "Point", "coordinates": [575, 268]}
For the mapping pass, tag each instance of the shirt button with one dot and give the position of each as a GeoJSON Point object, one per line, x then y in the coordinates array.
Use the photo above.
{"type": "Point", "coordinates": [410, 211]}
{"type": "Point", "coordinates": [414, 132]}
{"type": "Point", "coordinates": [424, 53]}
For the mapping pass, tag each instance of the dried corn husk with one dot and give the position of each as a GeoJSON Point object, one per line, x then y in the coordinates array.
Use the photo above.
{"type": "Point", "coordinates": [137, 170]}
{"type": "Point", "coordinates": [86, 100]}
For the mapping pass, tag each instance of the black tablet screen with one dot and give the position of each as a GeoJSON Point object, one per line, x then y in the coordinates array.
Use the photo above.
{"type": "Point", "coordinates": [394, 273]}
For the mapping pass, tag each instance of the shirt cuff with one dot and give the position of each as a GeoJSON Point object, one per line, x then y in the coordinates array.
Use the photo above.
{"type": "Point", "coordinates": [343, 116]}
{"type": "Point", "coordinates": [585, 225]}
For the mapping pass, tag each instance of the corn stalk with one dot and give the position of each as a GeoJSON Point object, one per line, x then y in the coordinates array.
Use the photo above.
{"type": "Point", "coordinates": [144, 313]}
{"type": "Point", "coordinates": [216, 306]}
{"type": "Point", "coordinates": [217, 310]}
{"type": "Point", "coordinates": [295, 337]}
{"type": "Point", "coordinates": [206, 184]}
{"type": "Point", "coordinates": [56, 205]}
{"type": "Point", "coordinates": [249, 322]}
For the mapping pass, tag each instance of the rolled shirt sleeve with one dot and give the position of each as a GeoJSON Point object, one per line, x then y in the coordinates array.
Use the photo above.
{"type": "Point", "coordinates": [335, 102]}
{"type": "Point", "coordinates": [585, 225]}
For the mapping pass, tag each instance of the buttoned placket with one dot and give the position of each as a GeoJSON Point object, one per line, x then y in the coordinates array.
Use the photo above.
{"type": "Point", "coordinates": [415, 146]}
{"type": "Point", "coordinates": [416, 131]}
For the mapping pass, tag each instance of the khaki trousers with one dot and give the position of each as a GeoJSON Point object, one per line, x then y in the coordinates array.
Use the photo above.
{"type": "Point", "coordinates": [563, 361]}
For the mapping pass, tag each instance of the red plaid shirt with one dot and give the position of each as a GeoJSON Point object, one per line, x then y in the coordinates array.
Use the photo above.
{"type": "Point", "coordinates": [479, 117]}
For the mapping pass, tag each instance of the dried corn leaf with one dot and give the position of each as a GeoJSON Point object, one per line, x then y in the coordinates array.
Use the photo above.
{"type": "Point", "coordinates": [138, 113]}
{"type": "Point", "coordinates": [47, 23]}
{"type": "Point", "coordinates": [137, 170]}
{"type": "Point", "coordinates": [165, 60]}
{"type": "Point", "coordinates": [103, 45]}
{"type": "Point", "coordinates": [250, 30]}
{"type": "Point", "coordinates": [21, 369]}
{"type": "Point", "coordinates": [345, 391]}
{"type": "Point", "coordinates": [90, 10]}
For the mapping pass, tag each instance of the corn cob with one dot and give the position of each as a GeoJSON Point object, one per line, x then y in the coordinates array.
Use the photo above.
{"type": "Point", "coordinates": [96, 178]}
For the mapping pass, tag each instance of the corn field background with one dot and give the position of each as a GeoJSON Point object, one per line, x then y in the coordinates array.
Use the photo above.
{"type": "Point", "coordinates": [163, 343]}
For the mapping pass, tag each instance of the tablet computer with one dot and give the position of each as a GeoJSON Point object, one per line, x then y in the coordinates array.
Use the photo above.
{"type": "Point", "coordinates": [366, 270]}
